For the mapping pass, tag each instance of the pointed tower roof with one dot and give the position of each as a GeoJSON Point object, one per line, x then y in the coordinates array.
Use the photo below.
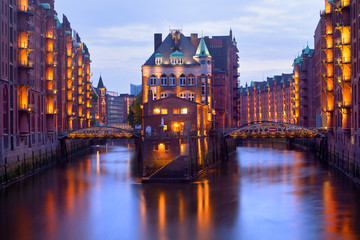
{"type": "Point", "coordinates": [100, 84]}
{"type": "Point", "coordinates": [307, 50]}
{"type": "Point", "coordinates": [202, 50]}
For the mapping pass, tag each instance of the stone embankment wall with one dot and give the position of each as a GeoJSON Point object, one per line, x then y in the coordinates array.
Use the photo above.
{"type": "Point", "coordinates": [28, 161]}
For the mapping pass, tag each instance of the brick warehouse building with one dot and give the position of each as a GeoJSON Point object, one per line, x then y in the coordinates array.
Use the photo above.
{"type": "Point", "coordinates": [270, 100]}
{"type": "Point", "coordinates": [44, 83]}
{"type": "Point", "coordinates": [339, 42]}
{"type": "Point", "coordinates": [225, 84]}
{"type": "Point", "coordinates": [177, 83]}
{"type": "Point", "coordinates": [224, 77]}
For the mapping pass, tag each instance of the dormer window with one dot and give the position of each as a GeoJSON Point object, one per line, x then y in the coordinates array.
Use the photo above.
{"type": "Point", "coordinates": [158, 58]}
{"type": "Point", "coordinates": [177, 58]}
{"type": "Point", "coordinates": [158, 61]}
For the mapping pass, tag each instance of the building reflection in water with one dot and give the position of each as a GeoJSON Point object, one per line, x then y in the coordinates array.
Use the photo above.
{"type": "Point", "coordinates": [79, 201]}
{"type": "Point", "coordinates": [190, 211]}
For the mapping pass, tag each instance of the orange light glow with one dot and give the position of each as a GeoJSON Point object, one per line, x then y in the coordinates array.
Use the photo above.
{"type": "Point", "coordinates": [156, 111]}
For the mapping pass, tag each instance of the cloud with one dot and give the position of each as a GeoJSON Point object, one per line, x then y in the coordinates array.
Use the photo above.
{"type": "Point", "coordinates": [269, 34]}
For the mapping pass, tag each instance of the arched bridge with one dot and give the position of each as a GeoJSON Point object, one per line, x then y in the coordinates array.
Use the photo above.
{"type": "Point", "coordinates": [273, 130]}
{"type": "Point", "coordinates": [99, 133]}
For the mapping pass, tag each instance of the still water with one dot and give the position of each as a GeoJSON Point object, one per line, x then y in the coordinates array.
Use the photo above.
{"type": "Point", "coordinates": [262, 193]}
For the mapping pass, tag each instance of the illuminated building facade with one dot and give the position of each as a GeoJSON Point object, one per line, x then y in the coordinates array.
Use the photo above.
{"type": "Point", "coordinates": [178, 77]}
{"type": "Point", "coordinates": [45, 80]}
{"type": "Point", "coordinates": [306, 89]}
{"type": "Point", "coordinates": [339, 26]}
{"type": "Point", "coordinates": [269, 100]}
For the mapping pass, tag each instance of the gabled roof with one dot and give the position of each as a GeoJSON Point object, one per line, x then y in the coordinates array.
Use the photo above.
{"type": "Point", "coordinates": [167, 47]}
{"type": "Point", "coordinates": [202, 50]}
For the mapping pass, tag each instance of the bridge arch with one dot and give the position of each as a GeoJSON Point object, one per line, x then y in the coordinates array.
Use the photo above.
{"type": "Point", "coordinates": [99, 132]}
{"type": "Point", "coordinates": [273, 130]}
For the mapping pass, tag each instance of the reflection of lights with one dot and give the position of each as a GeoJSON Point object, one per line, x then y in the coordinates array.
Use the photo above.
{"type": "Point", "coordinates": [97, 162]}
{"type": "Point", "coordinates": [161, 147]}
{"type": "Point", "coordinates": [162, 216]}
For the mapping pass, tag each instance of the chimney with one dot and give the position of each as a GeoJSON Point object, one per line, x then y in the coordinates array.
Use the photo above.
{"type": "Point", "coordinates": [157, 40]}
{"type": "Point", "coordinates": [194, 39]}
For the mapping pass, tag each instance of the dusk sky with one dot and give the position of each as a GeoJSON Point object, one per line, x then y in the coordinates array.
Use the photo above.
{"type": "Point", "coordinates": [119, 34]}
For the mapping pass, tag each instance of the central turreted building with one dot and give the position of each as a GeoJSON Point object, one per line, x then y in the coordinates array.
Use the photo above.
{"type": "Point", "coordinates": [177, 87]}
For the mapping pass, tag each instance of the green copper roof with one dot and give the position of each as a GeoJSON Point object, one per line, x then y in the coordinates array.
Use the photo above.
{"type": "Point", "coordinates": [46, 6]}
{"type": "Point", "coordinates": [157, 55]}
{"type": "Point", "coordinates": [331, 2]}
{"type": "Point", "coordinates": [307, 50]}
{"type": "Point", "coordinates": [176, 54]}
{"type": "Point", "coordinates": [202, 50]}
{"type": "Point", "coordinates": [67, 33]}
{"type": "Point", "coordinates": [78, 45]}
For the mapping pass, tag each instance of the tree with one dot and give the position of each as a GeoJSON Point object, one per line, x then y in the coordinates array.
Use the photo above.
{"type": "Point", "coordinates": [135, 114]}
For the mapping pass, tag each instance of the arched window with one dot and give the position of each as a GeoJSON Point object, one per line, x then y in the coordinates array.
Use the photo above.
{"type": "Point", "coordinates": [153, 80]}
{"type": "Point", "coordinates": [164, 95]}
{"type": "Point", "coordinates": [158, 61]}
{"type": "Point", "coordinates": [172, 80]}
{"type": "Point", "coordinates": [203, 89]}
{"type": "Point", "coordinates": [182, 80]}
{"type": "Point", "coordinates": [183, 95]}
{"type": "Point", "coordinates": [163, 80]}
{"type": "Point", "coordinates": [191, 80]}
{"type": "Point", "coordinates": [191, 97]}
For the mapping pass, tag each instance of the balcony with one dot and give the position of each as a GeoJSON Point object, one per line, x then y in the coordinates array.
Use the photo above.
{"type": "Point", "coordinates": [51, 111]}
{"type": "Point", "coordinates": [326, 90]}
{"type": "Point", "coordinates": [342, 41]}
{"type": "Point", "coordinates": [26, 82]}
{"type": "Point", "coordinates": [51, 92]}
{"type": "Point", "coordinates": [343, 105]}
{"type": "Point", "coordinates": [26, 10]}
{"type": "Point", "coordinates": [25, 28]}
{"type": "Point", "coordinates": [26, 107]}
{"type": "Point", "coordinates": [51, 64]}
{"type": "Point", "coordinates": [50, 36]}
{"type": "Point", "coordinates": [25, 45]}
{"type": "Point", "coordinates": [26, 64]}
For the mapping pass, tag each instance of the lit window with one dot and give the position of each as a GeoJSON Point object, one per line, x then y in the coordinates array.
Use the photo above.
{"type": "Point", "coordinates": [163, 80]}
{"type": "Point", "coordinates": [165, 128]}
{"type": "Point", "coordinates": [182, 80]}
{"type": "Point", "coordinates": [153, 80]}
{"type": "Point", "coordinates": [172, 80]}
{"type": "Point", "coordinates": [158, 60]}
{"type": "Point", "coordinates": [156, 111]}
{"type": "Point", "coordinates": [184, 111]}
{"type": "Point", "coordinates": [164, 111]}
{"type": "Point", "coordinates": [192, 97]}
{"type": "Point", "coordinates": [176, 111]}
{"type": "Point", "coordinates": [183, 95]}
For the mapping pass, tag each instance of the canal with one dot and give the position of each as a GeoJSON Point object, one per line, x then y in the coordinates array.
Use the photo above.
{"type": "Point", "coordinates": [264, 192]}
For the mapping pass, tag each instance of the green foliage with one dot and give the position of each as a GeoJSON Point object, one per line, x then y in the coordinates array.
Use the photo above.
{"type": "Point", "coordinates": [135, 114]}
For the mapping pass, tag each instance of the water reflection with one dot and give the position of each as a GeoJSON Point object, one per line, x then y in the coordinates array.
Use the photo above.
{"type": "Point", "coordinates": [263, 193]}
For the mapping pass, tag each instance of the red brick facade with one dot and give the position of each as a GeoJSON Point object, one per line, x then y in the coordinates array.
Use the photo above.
{"type": "Point", "coordinates": [44, 79]}
{"type": "Point", "coordinates": [270, 100]}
